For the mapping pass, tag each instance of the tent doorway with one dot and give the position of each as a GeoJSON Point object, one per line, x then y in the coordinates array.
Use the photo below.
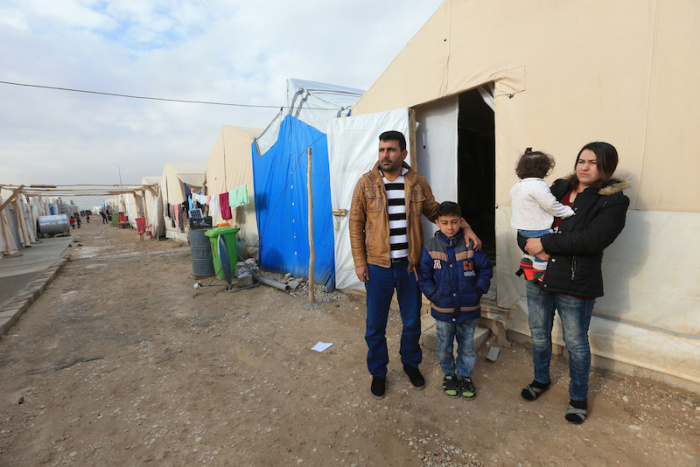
{"type": "Point", "coordinates": [476, 167]}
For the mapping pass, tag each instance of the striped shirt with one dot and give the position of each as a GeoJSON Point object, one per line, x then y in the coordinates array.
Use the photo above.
{"type": "Point", "coordinates": [397, 216]}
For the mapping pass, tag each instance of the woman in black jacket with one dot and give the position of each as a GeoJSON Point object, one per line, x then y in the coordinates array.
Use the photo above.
{"type": "Point", "coordinates": [574, 279]}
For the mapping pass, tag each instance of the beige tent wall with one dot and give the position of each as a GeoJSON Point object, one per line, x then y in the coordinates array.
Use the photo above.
{"type": "Point", "coordinates": [132, 209]}
{"type": "Point", "coordinates": [229, 166]}
{"type": "Point", "coordinates": [565, 74]}
{"type": "Point", "coordinates": [173, 180]}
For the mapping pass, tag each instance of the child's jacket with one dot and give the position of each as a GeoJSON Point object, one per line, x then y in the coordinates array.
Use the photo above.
{"type": "Point", "coordinates": [453, 277]}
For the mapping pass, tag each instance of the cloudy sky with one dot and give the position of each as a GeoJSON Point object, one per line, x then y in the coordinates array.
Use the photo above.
{"type": "Point", "coordinates": [229, 51]}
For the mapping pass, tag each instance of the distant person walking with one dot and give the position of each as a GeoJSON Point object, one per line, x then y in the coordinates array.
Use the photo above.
{"type": "Point", "coordinates": [104, 216]}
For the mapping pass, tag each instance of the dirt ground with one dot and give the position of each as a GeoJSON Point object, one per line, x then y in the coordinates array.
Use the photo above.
{"type": "Point", "coordinates": [122, 362]}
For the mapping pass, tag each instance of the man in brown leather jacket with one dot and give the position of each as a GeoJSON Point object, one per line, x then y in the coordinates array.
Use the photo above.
{"type": "Point", "coordinates": [386, 238]}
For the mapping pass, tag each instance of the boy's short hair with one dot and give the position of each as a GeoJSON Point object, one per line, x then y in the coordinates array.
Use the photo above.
{"type": "Point", "coordinates": [449, 208]}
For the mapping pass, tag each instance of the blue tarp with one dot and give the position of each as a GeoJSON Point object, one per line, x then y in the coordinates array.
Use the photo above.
{"type": "Point", "coordinates": [281, 203]}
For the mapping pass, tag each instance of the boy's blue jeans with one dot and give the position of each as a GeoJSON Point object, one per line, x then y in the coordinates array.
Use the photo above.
{"type": "Point", "coordinates": [466, 356]}
{"type": "Point", "coordinates": [380, 290]}
{"type": "Point", "coordinates": [575, 314]}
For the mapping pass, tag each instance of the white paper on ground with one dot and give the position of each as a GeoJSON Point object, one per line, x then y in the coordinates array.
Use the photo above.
{"type": "Point", "coordinates": [320, 347]}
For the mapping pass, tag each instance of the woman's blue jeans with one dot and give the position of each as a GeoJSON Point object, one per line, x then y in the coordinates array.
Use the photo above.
{"type": "Point", "coordinates": [575, 314]}
{"type": "Point", "coordinates": [380, 290]}
{"type": "Point", "coordinates": [466, 355]}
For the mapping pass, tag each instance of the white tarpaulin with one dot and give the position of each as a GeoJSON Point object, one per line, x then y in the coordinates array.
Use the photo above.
{"type": "Point", "coordinates": [313, 103]}
{"type": "Point", "coordinates": [352, 151]}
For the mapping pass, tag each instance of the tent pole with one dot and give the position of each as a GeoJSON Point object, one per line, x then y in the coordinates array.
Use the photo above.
{"type": "Point", "coordinates": [412, 137]}
{"type": "Point", "coordinates": [145, 208]}
{"type": "Point", "coordinates": [312, 250]}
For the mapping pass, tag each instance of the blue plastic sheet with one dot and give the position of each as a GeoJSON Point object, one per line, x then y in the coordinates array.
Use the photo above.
{"type": "Point", "coordinates": [281, 203]}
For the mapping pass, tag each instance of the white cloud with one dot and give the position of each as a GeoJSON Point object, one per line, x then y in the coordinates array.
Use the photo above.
{"type": "Point", "coordinates": [212, 50]}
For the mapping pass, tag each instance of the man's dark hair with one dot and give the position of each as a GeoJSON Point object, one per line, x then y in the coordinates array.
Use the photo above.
{"type": "Point", "coordinates": [393, 135]}
{"type": "Point", "coordinates": [534, 164]}
{"type": "Point", "coordinates": [448, 208]}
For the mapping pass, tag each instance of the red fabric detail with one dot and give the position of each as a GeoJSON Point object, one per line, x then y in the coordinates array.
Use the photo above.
{"type": "Point", "coordinates": [566, 201]}
{"type": "Point", "coordinates": [225, 208]}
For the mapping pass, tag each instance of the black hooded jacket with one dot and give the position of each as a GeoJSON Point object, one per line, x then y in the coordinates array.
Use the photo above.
{"type": "Point", "coordinates": [576, 249]}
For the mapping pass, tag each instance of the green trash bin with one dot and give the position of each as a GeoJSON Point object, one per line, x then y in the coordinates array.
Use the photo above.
{"type": "Point", "coordinates": [229, 234]}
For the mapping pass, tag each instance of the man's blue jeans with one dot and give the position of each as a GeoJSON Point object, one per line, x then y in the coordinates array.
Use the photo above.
{"type": "Point", "coordinates": [575, 314]}
{"type": "Point", "coordinates": [466, 356]}
{"type": "Point", "coordinates": [380, 290]}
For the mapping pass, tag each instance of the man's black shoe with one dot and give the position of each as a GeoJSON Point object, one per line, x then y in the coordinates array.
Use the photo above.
{"type": "Point", "coordinates": [415, 376]}
{"type": "Point", "coordinates": [378, 386]}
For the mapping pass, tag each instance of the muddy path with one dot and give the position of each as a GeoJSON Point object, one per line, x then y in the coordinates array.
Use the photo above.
{"type": "Point", "coordinates": [122, 362]}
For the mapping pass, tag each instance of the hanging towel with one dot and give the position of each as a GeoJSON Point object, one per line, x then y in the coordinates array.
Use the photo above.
{"type": "Point", "coordinates": [238, 197]}
{"type": "Point", "coordinates": [214, 206]}
{"type": "Point", "coordinates": [225, 209]}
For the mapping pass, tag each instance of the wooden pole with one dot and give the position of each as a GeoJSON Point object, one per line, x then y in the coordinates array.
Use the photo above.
{"type": "Point", "coordinates": [312, 250]}
{"type": "Point", "coordinates": [412, 138]}
{"type": "Point", "coordinates": [145, 207]}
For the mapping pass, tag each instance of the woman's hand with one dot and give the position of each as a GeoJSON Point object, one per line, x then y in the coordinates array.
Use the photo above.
{"type": "Point", "coordinates": [533, 247]}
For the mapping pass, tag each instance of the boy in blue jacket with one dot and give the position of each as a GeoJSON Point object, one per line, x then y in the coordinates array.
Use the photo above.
{"type": "Point", "coordinates": [453, 276]}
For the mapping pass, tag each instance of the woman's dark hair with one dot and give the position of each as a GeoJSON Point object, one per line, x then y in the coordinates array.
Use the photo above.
{"type": "Point", "coordinates": [448, 208]}
{"type": "Point", "coordinates": [534, 164]}
{"type": "Point", "coordinates": [606, 160]}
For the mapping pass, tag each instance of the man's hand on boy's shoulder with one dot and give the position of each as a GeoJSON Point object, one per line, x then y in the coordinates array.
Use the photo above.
{"type": "Point", "coordinates": [470, 235]}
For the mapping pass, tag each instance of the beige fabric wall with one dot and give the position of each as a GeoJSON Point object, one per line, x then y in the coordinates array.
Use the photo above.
{"type": "Point", "coordinates": [568, 73]}
{"type": "Point", "coordinates": [565, 74]}
{"type": "Point", "coordinates": [153, 206]}
{"type": "Point", "coordinates": [229, 166]}
{"type": "Point", "coordinates": [175, 175]}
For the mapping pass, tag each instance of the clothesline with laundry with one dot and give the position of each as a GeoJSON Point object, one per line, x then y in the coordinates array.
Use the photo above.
{"type": "Point", "coordinates": [224, 203]}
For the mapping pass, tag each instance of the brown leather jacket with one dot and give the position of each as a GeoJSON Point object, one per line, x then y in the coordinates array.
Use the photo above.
{"type": "Point", "coordinates": [369, 218]}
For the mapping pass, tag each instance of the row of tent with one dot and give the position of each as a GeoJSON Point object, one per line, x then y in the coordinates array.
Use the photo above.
{"type": "Point", "coordinates": [19, 214]}
{"type": "Point", "coordinates": [480, 82]}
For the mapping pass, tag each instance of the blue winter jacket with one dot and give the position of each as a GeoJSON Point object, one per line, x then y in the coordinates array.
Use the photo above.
{"type": "Point", "coordinates": [453, 276]}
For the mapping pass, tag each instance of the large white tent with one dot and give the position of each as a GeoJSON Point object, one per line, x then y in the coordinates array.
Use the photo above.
{"type": "Point", "coordinates": [558, 75]}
